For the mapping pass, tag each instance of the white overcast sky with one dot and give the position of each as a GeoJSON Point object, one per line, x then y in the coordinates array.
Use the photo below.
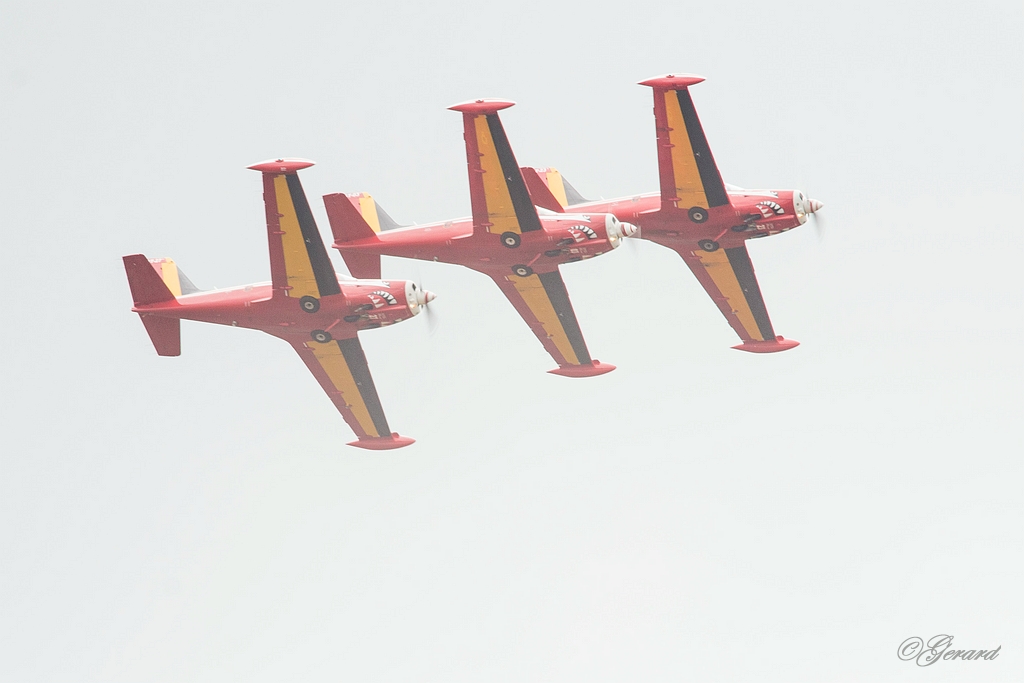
{"type": "Point", "coordinates": [699, 514]}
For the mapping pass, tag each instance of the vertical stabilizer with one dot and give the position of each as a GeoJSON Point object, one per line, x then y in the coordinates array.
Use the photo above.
{"type": "Point", "coordinates": [356, 217]}
{"type": "Point", "coordinates": [149, 286]}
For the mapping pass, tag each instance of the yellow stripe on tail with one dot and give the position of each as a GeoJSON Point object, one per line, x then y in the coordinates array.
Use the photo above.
{"type": "Point", "coordinates": [168, 272]}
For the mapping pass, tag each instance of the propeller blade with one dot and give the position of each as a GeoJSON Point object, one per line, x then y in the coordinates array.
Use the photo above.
{"type": "Point", "coordinates": [427, 305]}
{"type": "Point", "coordinates": [819, 225]}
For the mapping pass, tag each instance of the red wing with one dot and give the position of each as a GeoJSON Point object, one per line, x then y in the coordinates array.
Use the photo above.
{"type": "Point", "coordinates": [728, 276]}
{"type": "Point", "coordinates": [689, 175]}
{"type": "Point", "coordinates": [341, 369]}
{"type": "Point", "coordinates": [543, 302]}
{"type": "Point", "coordinates": [299, 264]}
{"type": "Point", "coordinates": [501, 202]}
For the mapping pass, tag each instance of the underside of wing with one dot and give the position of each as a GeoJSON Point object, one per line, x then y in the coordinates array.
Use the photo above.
{"type": "Point", "coordinates": [341, 369]}
{"type": "Point", "coordinates": [501, 202]}
{"type": "Point", "coordinates": [728, 276]}
{"type": "Point", "coordinates": [543, 302]}
{"type": "Point", "coordinates": [690, 178]}
{"type": "Point", "coordinates": [299, 264]}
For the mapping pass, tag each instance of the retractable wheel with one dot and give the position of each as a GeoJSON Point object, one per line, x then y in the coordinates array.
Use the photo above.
{"type": "Point", "coordinates": [522, 271]}
{"type": "Point", "coordinates": [510, 239]}
{"type": "Point", "coordinates": [708, 245]}
{"type": "Point", "coordinates": [321, 336]}
{"type": "Point", "coordinates": [698, 214]}
{"type": "Point", "coordinates": [310, 304]}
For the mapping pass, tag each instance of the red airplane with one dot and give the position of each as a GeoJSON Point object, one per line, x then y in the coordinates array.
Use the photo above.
{"type": "Point", "coordinates": [696, 214]}
{"type": "Point", "coordinates": [506, 239]}
{"type": "Point", "coordinates": [316, 310]}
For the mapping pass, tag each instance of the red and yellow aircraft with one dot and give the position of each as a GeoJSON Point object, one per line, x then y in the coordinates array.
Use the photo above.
{"type": "Point", "coordinates": [696, 214]}
{"type": "Point", "coordinates": [506, 239]}
{"type": "Point", "coordinates": [306, 303]}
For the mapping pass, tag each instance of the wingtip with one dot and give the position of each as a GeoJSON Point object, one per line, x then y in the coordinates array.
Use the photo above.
{"type": "Point", "coordinates": [673, 81]}
{"type": "Point", "coordinates": [770, 346]}
{"type": "Point", "coordinates": [594, 369]}
{"type": "Point", "coordinates": [283, 165]}
{"type": "Point", "coordinates": [487, 105]}
{"type": "Point", "coordinates": [382, 443]}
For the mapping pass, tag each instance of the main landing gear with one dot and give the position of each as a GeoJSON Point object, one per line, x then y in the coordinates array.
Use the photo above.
{"type": "Point", "coordinates": [321, 336]}
{"type": "Point", "coordinates": [708, 245]}
{"type": "Point", "coordinates": [510, 239]}
{"type": "Point", "coordinates": [310, 304]}
{"type": "Point", "coordinates": [522, 271]}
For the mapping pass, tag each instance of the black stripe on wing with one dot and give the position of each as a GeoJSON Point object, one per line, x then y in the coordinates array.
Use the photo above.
{"type": "Point", "coordinates": [739, 259]}
{"type": "Point", "coordinates": [559, 298]}
{"type": "Point", "coordinates": [710, 178]}
{"type": "Point", "coordinates": [352, 350]}
{"type": "Point", "coordinates": [526, 214]}
{"type": "Point", "coordinates": [323, 269]}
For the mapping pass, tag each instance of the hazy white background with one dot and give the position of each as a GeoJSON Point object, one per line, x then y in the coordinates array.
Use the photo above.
{"type": "Point", "coordinates": [700, 514]}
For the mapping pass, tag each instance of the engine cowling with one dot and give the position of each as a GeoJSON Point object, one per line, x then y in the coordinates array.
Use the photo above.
{"type": "Point", "coordinates": [586, 235]}
{"type": "Point", "coordinates": [767, 212]}
{"type": "Point", "coordinates": [376, 303]}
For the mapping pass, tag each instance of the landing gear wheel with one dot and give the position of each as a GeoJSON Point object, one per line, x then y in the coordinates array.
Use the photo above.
{"type": "Point", "coordinates": [510, 239]}
{"type": "Point", "coordinates": [310, 304]}
{"type": "Point", "coordinates": [698, 214]}
{"type": "Point", "coordinates": [522, 271]}
{"type": "Point", "coordinates": [321, 336]}
{"type": "Point", "coordinates": [708, 245]}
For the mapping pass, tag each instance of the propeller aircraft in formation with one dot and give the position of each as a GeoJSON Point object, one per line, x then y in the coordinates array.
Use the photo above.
{"type": "Point", "coordinates": [320, 312]}
{"type": "Point", "coordinates": [306, 303]}
{"type": "Point", "coordinates": [696, 215]}
{"type": "Point", "coordinates": [506, 239]}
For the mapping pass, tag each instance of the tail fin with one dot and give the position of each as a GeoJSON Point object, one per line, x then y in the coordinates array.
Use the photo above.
{"type": "Point", "coordinates": [171, 274]}
{"type": "Point", "coordinates": [549, 190]}
{"type": "Point", "coordinates": [149, 284]}
{"type": "Point", "coordinates": [148, 281]}
{"type": "Point", "coordinates": [357, 217]}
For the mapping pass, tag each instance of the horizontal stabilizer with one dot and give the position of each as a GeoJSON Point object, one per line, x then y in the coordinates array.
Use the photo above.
{"type": "Point", "coordinates": [363, 265]}
{"type": "Point", "coordinates": [165, 334]}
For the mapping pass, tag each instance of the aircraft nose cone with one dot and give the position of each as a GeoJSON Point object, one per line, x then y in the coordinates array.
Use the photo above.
{"type": "Point", "coordinates": [628, 229]}
{"type": "Point", "coordinates": [813, 205]}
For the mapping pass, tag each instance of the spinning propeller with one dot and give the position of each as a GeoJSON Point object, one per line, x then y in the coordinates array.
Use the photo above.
{"type": "Point", "coordinates": [423, 297]}
{"type": "Point", "coordinates": [813, 206]}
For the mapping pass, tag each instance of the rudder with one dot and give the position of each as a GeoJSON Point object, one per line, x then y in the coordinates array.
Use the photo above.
{"type": "Point", "coordinates": [151, 283]}
{"type": "Point", "coordinates": [357, 218]}
{"type": "Point", "coordinates": [549, 190]}
{"type": "Point", "coordinates": [147, 282]}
